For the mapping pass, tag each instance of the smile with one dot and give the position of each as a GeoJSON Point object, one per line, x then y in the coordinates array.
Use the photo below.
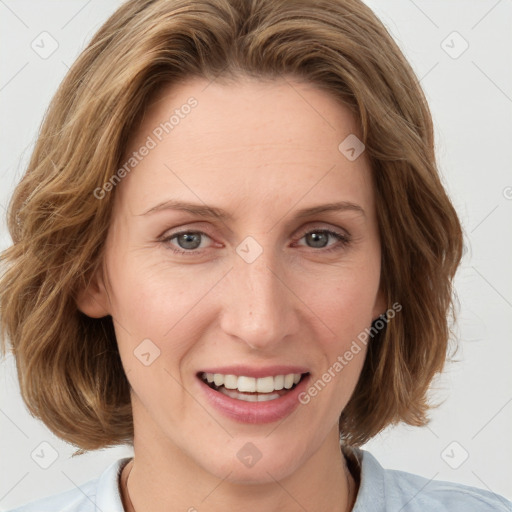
{"type": "Point", "coordinates": [251, 389]}
{"type": "Point", "coordinates": [266, 396]}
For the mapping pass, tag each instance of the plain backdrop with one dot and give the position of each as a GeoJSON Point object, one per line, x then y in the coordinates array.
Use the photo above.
{"type": "Point", "coordinates": [462, 51]}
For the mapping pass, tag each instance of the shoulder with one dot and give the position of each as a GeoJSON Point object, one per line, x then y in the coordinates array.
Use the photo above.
{"type": "Point", "coordinates": [101, 493]}
{"type": "Point", "coordinates": [416, 493]}
{"type": "Point", "coordinates": [74, 500]}
{"type": "Point", "coordinates": [385, 490]}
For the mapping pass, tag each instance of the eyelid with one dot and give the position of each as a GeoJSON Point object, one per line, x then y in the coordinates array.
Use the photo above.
{"type": "Point", "coordinates": [343, 239]}
{"type": "Point", "coordinates": [323, 226]}
{"type": "Point", "coordinates": [186, 228]}
{"type": "Point", "coordinates": [319, 225]}
{"type": "Point", "coordinates": [166, 237]}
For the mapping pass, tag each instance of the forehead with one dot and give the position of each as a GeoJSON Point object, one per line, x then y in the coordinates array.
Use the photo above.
{"type": "Point", "coordinates": [251, 142]}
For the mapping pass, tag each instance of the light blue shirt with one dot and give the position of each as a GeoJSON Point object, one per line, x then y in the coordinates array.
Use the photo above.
{"type": "Point", "coordinates": [381, 490]}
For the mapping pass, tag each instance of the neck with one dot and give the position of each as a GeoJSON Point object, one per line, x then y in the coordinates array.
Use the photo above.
{"type": "Point", "coordinates": [159, 480]}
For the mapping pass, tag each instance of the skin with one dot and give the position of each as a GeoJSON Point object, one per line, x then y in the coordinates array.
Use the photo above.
{"type": "Point", "coordinates": [261, 150]}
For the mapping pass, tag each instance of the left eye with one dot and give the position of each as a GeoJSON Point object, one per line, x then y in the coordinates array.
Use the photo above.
{"type": "Point", "coordinates": [320, 238]}
{"type": "Point", "coordinates": [189, 241]}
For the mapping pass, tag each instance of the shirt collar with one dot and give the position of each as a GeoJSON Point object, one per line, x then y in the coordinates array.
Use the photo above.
{"type": "Point", "coordinates": [371, 493]}
{"type": "Point", "coordinates": [370, 496]}
{"type": "Point", "coordinates": [108, 493]}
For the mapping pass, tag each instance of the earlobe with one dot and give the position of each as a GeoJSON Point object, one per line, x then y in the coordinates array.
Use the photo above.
{"type": "Point", "coordinates": [93, 299]}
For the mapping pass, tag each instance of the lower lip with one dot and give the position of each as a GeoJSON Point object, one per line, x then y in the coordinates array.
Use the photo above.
{"type": "Point", "coordinates": [255, 412]}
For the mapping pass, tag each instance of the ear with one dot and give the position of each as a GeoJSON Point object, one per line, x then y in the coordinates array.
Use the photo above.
{"type": "Point", "coordinates": [93, 300]}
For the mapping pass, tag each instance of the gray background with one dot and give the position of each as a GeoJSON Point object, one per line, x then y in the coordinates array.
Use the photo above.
{"type": "Point", "coordinates": [470, 94]}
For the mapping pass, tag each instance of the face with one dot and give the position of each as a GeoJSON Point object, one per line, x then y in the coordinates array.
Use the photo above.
{"type": "Point", "coordinates": [259, 287]}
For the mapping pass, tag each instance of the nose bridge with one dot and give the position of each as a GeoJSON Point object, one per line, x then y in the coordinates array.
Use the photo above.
{"type": "Point", "coordinates": [258, 307]}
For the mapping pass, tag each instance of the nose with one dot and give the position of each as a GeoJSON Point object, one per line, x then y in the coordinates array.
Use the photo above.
{"type": "Point", "coordinates": [258, 304]}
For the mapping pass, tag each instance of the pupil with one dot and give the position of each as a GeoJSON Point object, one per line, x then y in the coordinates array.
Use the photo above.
{"type": "Point", "coordinates": [317, 237]}
{"type": "Point", "coordinates": [189, 241]}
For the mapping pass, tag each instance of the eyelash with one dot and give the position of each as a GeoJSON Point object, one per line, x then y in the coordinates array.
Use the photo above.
{"type": "Point", "coordinates": [343, 241]}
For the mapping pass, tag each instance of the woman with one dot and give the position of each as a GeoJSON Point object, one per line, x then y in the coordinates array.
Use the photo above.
{"type": "Point", "coordinates": [232, 249]}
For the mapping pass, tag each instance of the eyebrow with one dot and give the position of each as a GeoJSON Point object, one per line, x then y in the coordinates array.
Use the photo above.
{"type": "Point", "coordinates": [218, 213]}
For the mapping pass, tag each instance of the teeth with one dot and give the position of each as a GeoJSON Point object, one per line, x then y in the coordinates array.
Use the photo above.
{"type": "Point", "coordinates": [288, 381]}
{"type": "Point", "coordinates": [252, 385]}
{"type": "Point", "coordinates": [249, 398]}
{"type": "Point", "coordinates": [265, 385]}
{"type": "Point", "coordinates": [230, 381]}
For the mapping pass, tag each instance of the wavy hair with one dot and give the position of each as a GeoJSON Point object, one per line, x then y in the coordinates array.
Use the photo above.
{"type": "Point", "coordinates": [69, 369]}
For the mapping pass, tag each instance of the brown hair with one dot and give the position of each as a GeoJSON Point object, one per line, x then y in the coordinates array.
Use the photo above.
{"type": "Point", "coordinates": [69, 369]}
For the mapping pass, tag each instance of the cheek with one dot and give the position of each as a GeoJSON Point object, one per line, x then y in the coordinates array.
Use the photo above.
{"type": "Point", "coordinates": [344, 298]}
{"type": "Point", "coordinates": [343, 303]}
{"type": "Point", "coordinates": [157, 302]}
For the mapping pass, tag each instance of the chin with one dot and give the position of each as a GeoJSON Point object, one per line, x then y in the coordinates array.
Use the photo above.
{"type": "Point", "coordinates": [251, 460]}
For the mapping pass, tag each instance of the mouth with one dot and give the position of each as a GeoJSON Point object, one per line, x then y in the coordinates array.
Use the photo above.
{"type": "Point", "coordinates": [252, 389]}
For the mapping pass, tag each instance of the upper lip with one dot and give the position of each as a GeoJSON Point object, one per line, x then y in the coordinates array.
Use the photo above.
{"type": "Point", "coordinates": [255, 371]}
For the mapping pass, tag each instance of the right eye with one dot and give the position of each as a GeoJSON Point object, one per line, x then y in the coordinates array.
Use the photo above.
{"type": "Point", "coordinates": [188, 242]}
